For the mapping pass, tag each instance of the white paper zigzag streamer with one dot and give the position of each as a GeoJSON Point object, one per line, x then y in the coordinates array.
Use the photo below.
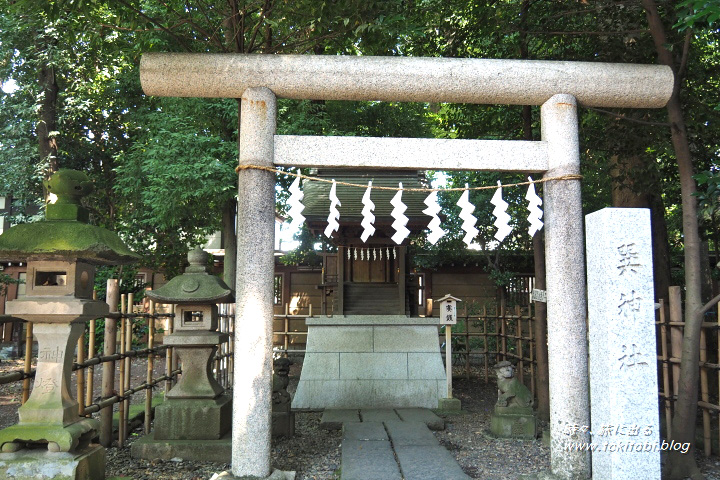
{"type": "Point", "coordinates": [502, 218]}
{"type": "Point", "coordinates": [334, 215]}
{"type": "Point", "coordinates": [398, 213]}
{"type": "Point", "coordinates": [368, 217]}
{"type": "Point", "coordinates": [296, 206]}
{"type": "Point", "coordinates": [436, 233]}
{"type": "Point", "coordinates": [466, 215]}
{"type": "Point", "coordinates": [534, 202]}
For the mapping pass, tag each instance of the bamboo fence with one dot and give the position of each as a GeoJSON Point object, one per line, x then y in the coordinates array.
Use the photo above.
{"type": "Point", "coordinates": [125, 346]}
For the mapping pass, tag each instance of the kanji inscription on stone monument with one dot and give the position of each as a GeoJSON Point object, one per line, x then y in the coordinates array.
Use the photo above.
{"type": "Point", "coordinates": [623, 372]}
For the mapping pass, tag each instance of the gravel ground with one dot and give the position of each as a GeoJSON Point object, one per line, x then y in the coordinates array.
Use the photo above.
{"type": "Point", "coordinates": [315, 454]}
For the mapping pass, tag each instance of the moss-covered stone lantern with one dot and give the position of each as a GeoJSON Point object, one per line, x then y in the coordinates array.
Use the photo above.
{"type": "Point", "coordinates": [62, 253]}
{"type": "Point", "coordinates": [194, 409]}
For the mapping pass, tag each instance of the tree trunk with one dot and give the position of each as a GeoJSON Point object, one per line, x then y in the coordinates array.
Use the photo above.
{"type": "Point", "coordinates": [47, 111]}
{"type": "Point", "coordinates": [229, 241]}
{"type": "Point", "coordinates": [626, 194]}
{"type": "Point", "coordinates": [679, 465]}
{"type": "Point", "coordinates": [541, 347]}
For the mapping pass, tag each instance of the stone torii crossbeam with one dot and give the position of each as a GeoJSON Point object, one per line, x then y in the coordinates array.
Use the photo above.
{"type": "Point", "coordinates": [557, 86]}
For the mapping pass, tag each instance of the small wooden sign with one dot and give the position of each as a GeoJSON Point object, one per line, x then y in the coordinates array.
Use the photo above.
{"type": "Point", "coordinates": [539, 295]}
{"type": "Point", "coordinates": [448, 310]}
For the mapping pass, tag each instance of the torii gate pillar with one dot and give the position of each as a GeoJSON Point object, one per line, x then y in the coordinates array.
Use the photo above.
{"type": "Point", "coordinates": [252, 387]}
{"type": "Point", "coordinates": [566, 302]}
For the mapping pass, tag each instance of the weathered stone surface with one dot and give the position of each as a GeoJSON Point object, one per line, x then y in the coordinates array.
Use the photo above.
{"type": "Point", "coordinates": [334, 418]}
{"type": "Point", "coordinates": [368, 460]}
{"type": "Point", "coordinates": [425, 366]}
{"type": "Point", "coordinates": [196, 285]}
{"type": "Point", "coordinates": [623, 367]}
{"type": "Point", "coordinates": [404, 433]}
{"type": "Point", "coordinates": [422, 462]}
{"type": "Point", "coordinates": [85, 464]}
{"type": "Point", "coordinates": [373, 366]}
{"type": "Point", "coordinates": [449, 405]}
{"type": "Point", "coordinates": [50, 401]}
{"type": "Point", "coordinates": [566, 304]}
{"type": "Point", "coordinates": [367, 394]}
{"type": "Point", "coordinates": [403, 338]}
{"type": "Point", "coordinates": [321, 366]}
{"type": "Point", "coordinates": [369, 372]}
{"type": "Point", "coordinates": [252, 392]}
{"type": "Point", "coordinates": [346, 339]}
{"type": "Point", "coordinates": [364, 431]}
{"type": "Point", "coordinates": [197, 380]}
{"type": "Point", "coordinates": [424, 415]}
{"type": "Point", "coordinates": [150, 448]}
{"type": "Point", "coordinates": [412, 153]}
{"type": "Point", "coordinates": [513, 422]}
{"type": "Point", "coordinates": [378, 415]}
{"type": "Point", "coordinates": [461, 80]}
{"type": "Point", "coordinates": [193, 419]}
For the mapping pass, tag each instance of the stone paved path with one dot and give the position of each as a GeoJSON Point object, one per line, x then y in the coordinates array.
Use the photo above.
{"type": "Point", "coordinates": [392, 444]}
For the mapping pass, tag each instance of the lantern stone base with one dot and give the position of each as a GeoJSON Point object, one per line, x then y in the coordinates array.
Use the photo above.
{"type": "Point", "coordinates": [151, 448]}
{"type": "Point", "coordinates": [39, 464]}
{"type": "Point", "coordinates": [193, 418]}
{"type": "Point", "coordinates": [513, 422]}
{"type": "Point", "coordinates": [59, 438]}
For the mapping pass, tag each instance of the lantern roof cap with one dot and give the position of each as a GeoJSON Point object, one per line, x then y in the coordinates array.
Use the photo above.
{"type": "Point", "coordinates": [196, 285]}
{"type": "Point", "coordinates": [65, 233]}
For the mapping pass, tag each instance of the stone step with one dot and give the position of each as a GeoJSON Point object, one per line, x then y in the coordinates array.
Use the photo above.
{"type": "Point", "coordinates": [424, 415]}
{"type": "Point", "coordinates": [428, 462]}
{"type": "Point", "coordinates": [390, 448]}
{"type": "Point", "coordinates": [334, 418]}
{"type": "Point", "coordinates": [368, 460]}
{"type": "Point", "coordinates": [409, 433]}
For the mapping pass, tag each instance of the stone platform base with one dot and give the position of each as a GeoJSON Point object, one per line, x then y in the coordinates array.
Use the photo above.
{"type": "Point", "coordinates": [513, 423]}
{"type": "Point", "coordinates": [275, 475]}
{"type": "Point", "coordinates": [148, 448]}
{"type": "Point", "coordinates": [193, 419]}
{"type": "Point", "coordinates": [371, 361]}
{"type": "Point", "coordinates": [85, 464]}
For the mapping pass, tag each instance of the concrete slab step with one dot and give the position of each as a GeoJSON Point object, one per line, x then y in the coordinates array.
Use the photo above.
{"type": "Point", "coordinates": [364, 431]}
{"type": "Point", "coordinates": [424, 415]}
{"type": "Point", "coordinates": [378, 414]}
{"type": "Point", "coordinates": [428, 462]}
{"type": "Point", "coordinates": [333, 418]}
{"type": "Point", "coordinates": [409, 433]}
{"type": "Point", "coordinates": [368, 460]}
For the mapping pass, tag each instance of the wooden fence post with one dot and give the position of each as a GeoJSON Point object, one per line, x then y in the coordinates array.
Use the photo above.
{"type": "Point", "coordinates": [108, 378]}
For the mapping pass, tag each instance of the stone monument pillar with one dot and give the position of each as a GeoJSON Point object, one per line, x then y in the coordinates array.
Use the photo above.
{"type": "Point", "coordinates": [52, 440]}
{"type": "Point", "coordinates": [194, 421]}
{"type": "Point", "coordinates": [623, 366]}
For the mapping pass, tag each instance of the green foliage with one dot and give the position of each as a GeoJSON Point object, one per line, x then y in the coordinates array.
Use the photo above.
{"type": "Point", "coordinates": [5, 281]}
{"type": "Point", "coordinates": [697, 13]}
{"type": "Point", "coordinates": [127, 282]}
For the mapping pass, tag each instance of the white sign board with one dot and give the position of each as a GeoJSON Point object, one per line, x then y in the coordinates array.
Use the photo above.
{"type": "Point", "coordinates": [539, 295]}
{"type": "Point", "coordinates": [448, 312]}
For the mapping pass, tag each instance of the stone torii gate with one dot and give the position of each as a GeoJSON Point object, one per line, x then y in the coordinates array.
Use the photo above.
{"type": "Point", "coordinates": [557, 86]}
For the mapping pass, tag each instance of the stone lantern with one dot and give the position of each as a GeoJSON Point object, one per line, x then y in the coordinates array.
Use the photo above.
{"type": "Point", "coordinates": [61, 254]}
{"type": "Point", "coordinates": [195, 418]}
